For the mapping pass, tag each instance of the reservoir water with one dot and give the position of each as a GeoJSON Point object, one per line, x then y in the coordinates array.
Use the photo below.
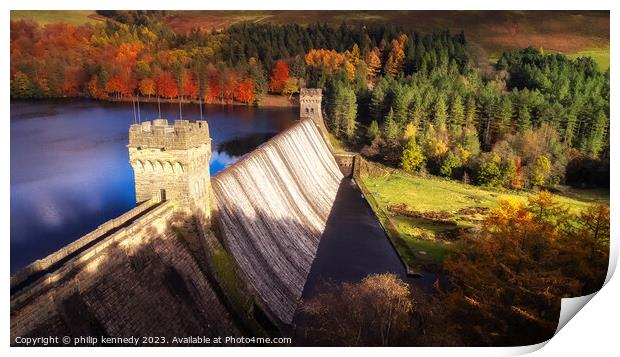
{"type": "Point", "coordinates": [70, 170]}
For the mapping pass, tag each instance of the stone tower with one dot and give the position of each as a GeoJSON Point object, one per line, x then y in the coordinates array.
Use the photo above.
{"type": "Point", "coordinates": [171, 161]}
{"type": "Point", "coordinates": [310, 106]}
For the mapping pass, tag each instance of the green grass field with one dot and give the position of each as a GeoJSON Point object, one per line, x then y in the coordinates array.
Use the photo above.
{"type": "Point", "coordinates": [600, 56]}
{"type": "Point", "coordinates": [44, 17]}
{"type": "Point", "coordinates": [423, 242]}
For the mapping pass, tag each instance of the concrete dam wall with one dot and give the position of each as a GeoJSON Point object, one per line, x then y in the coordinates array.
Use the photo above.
{"type": "Point", "coordinates": [272, 209]}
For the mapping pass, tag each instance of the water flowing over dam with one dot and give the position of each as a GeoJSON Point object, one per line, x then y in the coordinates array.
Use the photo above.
{"type": "Point", "coordinates": [273, 206]}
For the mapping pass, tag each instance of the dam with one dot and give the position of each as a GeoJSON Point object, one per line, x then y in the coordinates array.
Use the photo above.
{"type": "Point", "coordinates": [273, 207]}
{"type": "Point", "coordinates": [288, 214]}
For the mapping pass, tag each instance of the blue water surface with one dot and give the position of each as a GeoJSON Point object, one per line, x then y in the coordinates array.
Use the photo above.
{"type": "Point", "coordinates": [70, 170]}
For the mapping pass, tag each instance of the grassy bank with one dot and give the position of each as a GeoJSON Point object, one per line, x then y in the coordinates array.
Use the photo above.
{"type": "Point", "coordinates": [424, 215]}
{"type": "Point", "coordinates": [44, 17]}
{"type": "Point", "coordinates": [600, 55]}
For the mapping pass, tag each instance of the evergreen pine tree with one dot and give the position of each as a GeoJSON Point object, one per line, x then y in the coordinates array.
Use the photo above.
{"type": "Point", "coordinates": [504, 119]}
{"type": "Point", "coordinates": [373, 131]}
{"type": "Point", "coordinates": [390, 128]}
{"type": "Point", "coordinates": [457, 113]}
{"type": "Point", "coordinates": [596, 135]}
{"type": "Point", "coordinates": [440, 113]}
{"type": "Point", "coordinates": [524, 121]}
{"type": "Point", "coordinates": [471, 116]}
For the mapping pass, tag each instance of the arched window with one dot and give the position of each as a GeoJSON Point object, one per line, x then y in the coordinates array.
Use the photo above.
{"type": "Point", "coordinates": [178, 168]}
{"type": "Point", "coordinates": [168, 167]}
{"type": "Point", "coordinates": [138, 166]}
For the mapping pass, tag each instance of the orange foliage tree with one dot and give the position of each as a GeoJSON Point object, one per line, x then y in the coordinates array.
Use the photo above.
{"type": "Point", "coordinates": [334, 61]}
{"type": "Point", "coordinates": [374, 64]}
{"type": "Point", "coordinates": [94, 89]}
{"type": "Point", "coordinates": [330, 59]}
{"type": "Point", "coordinates": [166, 86]}
{"type": "Point", "coordinates": [147, 87]}
{"type": "Point", "coordinates": [229, 86]}
{"type": "Point", "coordinates": [213, 94]}
{"type": "Point", "coordinates": [245, 91]}
{"type": "Point", "coordinates": [120, 85]}
{"type": "Point", "coordinates": [509, 278]}
{"type": "Point", "coordinates": [189, 88]}
{"type": "Point", "coordinates": [127, 53]}
{"type": "Point", "coordinates": [279, 76]}
{"type": "Point", "coordinates": [396, 57]}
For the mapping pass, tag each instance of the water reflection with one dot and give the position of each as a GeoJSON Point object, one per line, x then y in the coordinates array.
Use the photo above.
{"type": "Point", "coordinates": [240, 145]}
{"type": "Point", "coordinates": [70, 170]}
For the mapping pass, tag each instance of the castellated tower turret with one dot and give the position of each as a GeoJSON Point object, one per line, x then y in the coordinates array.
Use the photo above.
{"type": "Point", "coordinates": [172, 161]}
{"type": "Point", "coordinates": [310, 106]}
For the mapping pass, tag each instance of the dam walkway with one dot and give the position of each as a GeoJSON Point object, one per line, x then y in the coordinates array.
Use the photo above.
{"type": "Point", "coordinates": [55, 261]}
{"type": "Point", "coordinates": [353, 244]}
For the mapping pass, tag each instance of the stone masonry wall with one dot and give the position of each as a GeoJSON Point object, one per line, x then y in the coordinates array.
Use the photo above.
{"type": "Point", "coordinates": [41, 265]}
{"type": "Point", "coordinates": [345, 163]}
{"type": "Point", "coordinates": [144, 281]}
{"type": "Point", "coordinates": [174, 158]}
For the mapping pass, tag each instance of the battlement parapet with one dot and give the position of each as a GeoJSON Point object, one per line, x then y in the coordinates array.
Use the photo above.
{"type": "Point", "coordinates": [161, 135]}
{"type": "Point", "coordinates": [38, 268]}
{"type": "Point", "coordinates": [310, 94]}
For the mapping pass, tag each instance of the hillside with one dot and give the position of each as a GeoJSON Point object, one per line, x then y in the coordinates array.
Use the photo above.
{"type": "Point", "coordinates": [583, 33]}
{"type": "Point", "coordinates": [427, 213]}
{"type": "Point", "coordinates": [569, 32]}
{"type": "Point", "coordinates": [44, 17]}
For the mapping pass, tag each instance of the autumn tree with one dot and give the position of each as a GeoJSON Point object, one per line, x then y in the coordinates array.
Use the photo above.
{"type": "Point", "coordinates": [396, 57]}
{"type": "Point", "coordinates": [95, 89]}
{"type": "Point", "coordinates": [245, 91]}
{"type": "Point", "coordinates": [586, 247]}
{"type": "Point", "coordinates": [290, 87]}
{"type": "Point", "coordinates": [540, 170]}
{"type": "Point", "coordinates": [21, 86]}
{"type": "Point", "coordinates": [147, 87]}
{"type": "Point", "coordinates": [373, 62]}
{"type": "Point", "coordinates": [120, 85]}
{"type": "Point", "coordinates": [374, 312]}
{"type": "Point", "coordinates": [331, 60]}
{"type": "Point", "coordinates": [166, 86]}
{"type": "Point", "coordinates": [230, 84]}
{"type": "Point", "coordinates": [189, 87]}
{"type": "Point", "coordinates": [412, 158]}
{"type": "Point", "coordinates": [214, 92]}
{"type": "Point", "coordinates": [279, 76]}
{"type": "Point", "coordinates": [509, 278]}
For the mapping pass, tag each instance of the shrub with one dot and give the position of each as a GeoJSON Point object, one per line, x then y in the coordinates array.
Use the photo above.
{"type": "Point", "coordinates": [449, 164]}
{"type": "Point", "coordinates": [373, 131]}
{"type": "Point", "coordinates": [489, 173]}
{"type": "Point", "coordinates": [412, 158]}
{"type": "Point", "coordinates": [540, 171]}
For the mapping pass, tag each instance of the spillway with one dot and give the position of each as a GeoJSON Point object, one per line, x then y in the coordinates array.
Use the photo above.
{"type": "Point", "coordinates": [273, 206]}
